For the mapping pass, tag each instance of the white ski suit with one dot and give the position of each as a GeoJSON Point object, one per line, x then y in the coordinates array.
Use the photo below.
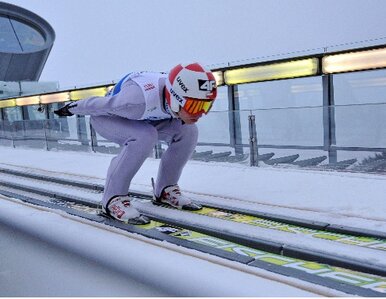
{"type": "Point", "coordinates": [135, 115]}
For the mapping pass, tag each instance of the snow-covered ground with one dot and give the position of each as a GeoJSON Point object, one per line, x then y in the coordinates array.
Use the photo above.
{"type": "Point", "coordinates": [121, 264]}
{"type": "Point", "coordinates": [351, 199]}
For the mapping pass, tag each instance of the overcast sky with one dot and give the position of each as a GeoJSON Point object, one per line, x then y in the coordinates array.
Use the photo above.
{"type": "Point", "coordinates": [101, 40]}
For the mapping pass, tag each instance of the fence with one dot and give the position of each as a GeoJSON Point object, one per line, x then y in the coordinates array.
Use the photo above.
{"type": "Point", "coordinates": [293, 137]}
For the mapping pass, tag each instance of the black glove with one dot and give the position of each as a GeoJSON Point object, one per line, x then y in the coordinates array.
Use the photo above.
{"type": "Point", "coordinates": [64, 110]}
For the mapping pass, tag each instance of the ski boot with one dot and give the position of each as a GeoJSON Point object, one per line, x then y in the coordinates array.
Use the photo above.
{"type": "Point", "coordinates": [171, 196]}
{"type": "Point", "coordinates": [120, 208]}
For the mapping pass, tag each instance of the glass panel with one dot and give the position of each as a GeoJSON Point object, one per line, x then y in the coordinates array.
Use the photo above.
{"type": "Point", "coordinates": [214, 128]}
{"type": "Point", "coordinates": [29, 38]}
{"type": "Point", "coordinates": [280, 133]}
{"type": "Point", "coordinates": [29, 134]}
{"type": "Point", "coordinates": [279, 140]}
{"type": "Point", "coordinates": [292, 126]}
{"type": "Point", "coordinates": [6, 130]}
{"type": "Point", "coordinates": [221, 102]}
{"type": "Point", "coordinates": [279, 94]}
{"type": "Point", "coordinates": [12, 113]}
{"type": "Point", "coordinates": [215, 143]}
{"type": "Point", "coordinates": [35, 113]}
{"type": "Point", "coordinates": [8, 40]}
{"type": "Point", "coordinates": [360, 87]}
{"type": "Point", "coordinates": [68, 133]}
{"type": "Point", "coordinates": [51, 108]}
{"type": "Point", "coordinates": [360, 126]}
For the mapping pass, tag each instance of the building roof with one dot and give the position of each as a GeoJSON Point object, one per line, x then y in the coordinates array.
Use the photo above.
{"type": "Point", "coordinates": [26, 40]}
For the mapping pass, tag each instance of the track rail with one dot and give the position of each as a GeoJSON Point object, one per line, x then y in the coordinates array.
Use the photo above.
{"type": "Point", "coordinates": [175, 235]}
{"type": "Point", "coordinates": [168, 229]}
{"type": "Point", "coordinates": [311, 224]}
{"type": "Point", "coordinates": [278, 220]}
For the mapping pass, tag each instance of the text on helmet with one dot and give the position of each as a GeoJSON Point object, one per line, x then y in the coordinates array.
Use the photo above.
{"type": "Point", "coordinates": [182, 85]}
{"type": "Point", "coordinates": [176, 96]}
{"type": "Point", "coordinates": [206, 85]}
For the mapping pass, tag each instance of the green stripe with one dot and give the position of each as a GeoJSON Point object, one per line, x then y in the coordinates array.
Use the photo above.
{"type": "Point", "coordinates": [368, 242]}
{"type": "Point", "coordinates": [364, 280]}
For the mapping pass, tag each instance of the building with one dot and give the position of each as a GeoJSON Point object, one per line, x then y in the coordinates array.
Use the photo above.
{"type": "Point", "coordinates": [25, 43]}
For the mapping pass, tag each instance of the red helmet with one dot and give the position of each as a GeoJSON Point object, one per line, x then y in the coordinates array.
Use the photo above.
{"type": "Point", "coordinates": [190, 87]}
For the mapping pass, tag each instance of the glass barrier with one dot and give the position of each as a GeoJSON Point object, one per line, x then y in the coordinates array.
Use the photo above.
{"type": "Point", "coordinates": [71, 133]}
{"type": "Point", "coordinates": [29, 134]}
{"type": "Point", "coordinates": [300, 92]}
{"type": "Point", "coordinates": [214, 127]}
{"type": "Point", "coordinates": [360, 87]}
{"type": "Point", "coordinates": [360, 125]}
{"type": "Point", "coordinates": [35, 112]}
{"type": "Point", "coordinates": [13, 114]}
{"type": "Point", "coordinates": [218, 140]}
{"type": "Point", "coordinates": [291, 126]}
{"type": "Point", "coordinates": [221, 102]}
{"type": "Point", "coordinates": [296, 133]}
{"type": "Point", "coordinates": [6, 130]}
{"type": "Point", "coordinates": [334, 138]}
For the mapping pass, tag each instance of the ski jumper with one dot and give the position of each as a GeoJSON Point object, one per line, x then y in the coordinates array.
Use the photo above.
{"type": "Point", "coordinates": [135, 115]}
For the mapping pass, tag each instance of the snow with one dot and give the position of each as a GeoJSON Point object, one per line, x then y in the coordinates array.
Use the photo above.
{"type": "Point", "coordinates": [308, 241]}
{"type": "Point", "coordinates": [353, 199]}
{"type": "Point", "coordinates": [140, 262]}
{"type": "Point", "coordinates": [117, 250]}
{"type": "Point", "coordinates": [341, 198]}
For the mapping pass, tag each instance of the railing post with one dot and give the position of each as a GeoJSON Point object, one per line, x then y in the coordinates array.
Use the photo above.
{"type": "Point", "coordinates": [81, 130]}
{"type": "Point", "coordinates": [94, 140]}
{"type": "Point", "coordinates": [45, 122]}
{"type": "Point", "coordinates": [234, 120]}
{"type": "Point", "coordinates": [158, 150]}
{"type": "Point", "coordinates": [329, 118]}
{"type": "Point", "coordinates": [253, 148]}
{"type": "Point", "coordinates": [13, 133]}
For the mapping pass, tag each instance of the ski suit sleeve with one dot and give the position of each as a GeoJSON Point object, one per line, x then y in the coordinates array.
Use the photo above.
{"type": "Point", "coordinates": [128, 103]}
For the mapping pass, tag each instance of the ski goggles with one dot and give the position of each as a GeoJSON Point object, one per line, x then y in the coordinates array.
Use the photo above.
{"type": "Point", "coordinates": [196, 106]}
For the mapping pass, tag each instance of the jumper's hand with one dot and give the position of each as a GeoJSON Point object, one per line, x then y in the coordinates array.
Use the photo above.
{"type": "Point", "coordinates": [64, 111]}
